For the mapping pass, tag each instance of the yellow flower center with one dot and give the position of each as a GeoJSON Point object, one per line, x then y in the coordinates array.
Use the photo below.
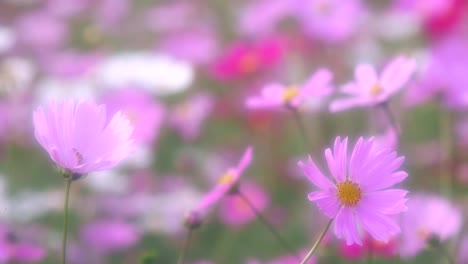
{"type": "Point", "coordinates": [376, 89]}
{"type": "Point", "coordinates": [131, 115]}
{"type": "Point", "coordinates": [290, 93]}
{"type": "Point", "coordinates": [227, 178]}
{"type": "Point", "coordinates": [423, 234]}
{"type": "Point", "coordinates": [249, 63]}
{"type": "Point", "coordinates": [349, 193]}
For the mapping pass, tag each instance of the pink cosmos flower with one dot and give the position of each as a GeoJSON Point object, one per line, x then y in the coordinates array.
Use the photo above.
{"type": "Point", "coordinates": [52, 35]}
{"type": "Point", "coordinates": [199, 46]}
{"type": "Point", "coordinates": [244, 59]}
{"type": "Point", "coordinates": [277, 96]}
{"type": "Point", "coordinates": [144, 113]}
{"type": "Point", "coordinates": [329, 20]}
{"type": "Point", "coordinates": [81, 137]}
{"type": "Point", "coordinates": [371, 89]}
{"type": "Point", "coordinates": [437, 16]}
{"type": "Point", "coordinates": [428, 217]}
{"type": "Point", "coordinates": [358, 197]}
{"type": "Point", "coordinates": [15, 247]}
{"type": "Point", "coordinates": [234, 211]}
{"type": "Point", "coordinates": [110, 235]}
{"type": "Point", "coordinates": [444, 77]}
{"type": "Point", "coordinates": [262, 16]}
{"type": "Point", "coordinates": [188, 117]}
{"type": "Point", "coordinates": [225, 183]}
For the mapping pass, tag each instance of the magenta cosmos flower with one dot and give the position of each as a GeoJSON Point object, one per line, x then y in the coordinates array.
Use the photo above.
{"type": "Point", "coordinates": [277, 96]}
{"type": "Point", "coordinates": [225, 183]}
{"type": "Point", "coordinates": [81, 137]}
{"type": "Point", "coordinates": [247, 59]}
{"type": "Point", "coordinates": [371, 89]}
{"type": "Point", "coordinates": [358, 197]}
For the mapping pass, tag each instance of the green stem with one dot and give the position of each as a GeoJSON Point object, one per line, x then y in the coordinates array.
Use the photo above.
{"type": "Point", "coordinates": [65, 220]}
{"type": "Point", "coordinates": [270, 227]}
{"type": "Point", "coordinates": [446, 141]}
{"type": "Point", "coordinates": [185, 246]}
{"type": "Point", "coordinates": [317, 242]}
{"type": "Point", "coordinates": [301, 126]}
{"type": "Point", "coordinates": [391, 119]}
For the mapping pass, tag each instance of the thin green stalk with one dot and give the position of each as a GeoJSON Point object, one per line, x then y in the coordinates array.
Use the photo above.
{"type": "Point", "coordinates": [270, 227]}
{"type": "Point", "coordinates": [317, 242]}
{"type": "Point", "coordinates": [301, 126]}
{"type": "Point", "coordinates": [391, 119]}
{"type": "Point", "coordinates": [185, 246]}
{"type": "Point", "coordinates": [446, 141]}
{"type": "Point", "coordinates": [65, 220]}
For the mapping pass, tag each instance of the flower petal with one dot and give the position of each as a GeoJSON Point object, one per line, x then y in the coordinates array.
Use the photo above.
{"type": "Point", "coordinates": [315, 175]}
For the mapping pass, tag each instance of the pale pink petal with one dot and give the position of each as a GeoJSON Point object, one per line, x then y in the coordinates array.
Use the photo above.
{"type": "Point", "coordinates": [346, 226]}
{"type": "Point", "coordinates": [245, 160]}
{"type": "Point", "coordinates": [339, 105]}
{"type": "Point", "coordinates": [318, 84]}
{"type": "Point", "coordinates": [315, 175]}
{"type": "Point", "coordinates": [397, 73]}
{"type": "Point", "coordinates": [366, 77]}
{"type": "Point", "coordinates": [327, 202]}
{"type": "Point", "coordinates": [390, 201]}
{"type": "Point", "coordinates": [379, 226]}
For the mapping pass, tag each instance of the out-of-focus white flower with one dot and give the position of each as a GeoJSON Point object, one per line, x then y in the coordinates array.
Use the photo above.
{"type": "Point", "coordinates": [55, 89]}
{"type": "Point", "coordinates": [108, 182]}
{"type": "Point", "coordinates": [140, 158]}
{"type": "Point", "coordinates": [27, 206]}
{"type": "Point", "coordinates": [16, 74]}
{"type": "Point", "coordinates": [165, 212]}
{"type": "Point", "coordinates": [158, 73]}
{"type": "Point", "coordinates": [395, 26]}
{"type": "Point", "coordinates": [7, 39]}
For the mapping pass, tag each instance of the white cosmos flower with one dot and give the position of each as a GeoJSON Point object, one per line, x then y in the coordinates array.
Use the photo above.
{"type": "Point", "coordinates": [56, 89]}
{"type": "Point", "coordinates": [16, 74]}
{"type": "Point", "coordinates": [159, 73]}
{"type": "Point", "coordinates": [164, 212]}
{"type": "Point", "coordinates": [7, 39]}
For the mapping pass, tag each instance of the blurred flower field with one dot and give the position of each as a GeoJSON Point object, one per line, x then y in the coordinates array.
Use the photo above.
{"type": "Point", "coordinates": [227, 132]}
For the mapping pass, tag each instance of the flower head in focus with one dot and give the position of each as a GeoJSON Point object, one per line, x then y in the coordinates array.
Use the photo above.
{"type": "Point", "coordinates": [277, 96]}
{"type": "Point", "coordinates": [80, 137]}
{"type": "Point", "coordinates": [225, 184]}
{"type": "Point", "coordinates": [358, 198]}
{"type": "Point", "coordinates": [370, 89]}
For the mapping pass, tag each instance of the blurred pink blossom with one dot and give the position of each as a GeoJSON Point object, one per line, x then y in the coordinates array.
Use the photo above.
{"type": "Point", "coordinates": [234, 211]}
{"type": "Point", "coordinates": [444, 77]}
{"type": "Point", "coordinates": [370, 89]}
{"type": "Point", "coordinates": [188, 117]}
{"type": "Point", "coordinates": [329, 20]}
{"type": "Point", "coordinates": [245, 59]}
{"type": "Point", "coordinates": [428, 217]}
{"type": "Point", "coordinates": [144, 112]}
{"type": "Point", "coordinates": [109, 236]}
{"type": "Point", "coordinates": [225, 183]}
{"type": "Point", "coordinates": [277, 96]}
